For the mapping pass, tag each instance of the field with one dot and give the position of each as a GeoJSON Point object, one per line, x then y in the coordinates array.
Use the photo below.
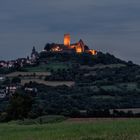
{"type": "Point", "coordinates": [48, 83]}
{"type": "Point", "coordinates": [102, 66]}
{"type": "Point", "coordinates": [50, 66]}
{"type": "Point", "coordinates": [74, 129]}
{"type": "Point", "coordinates": [27, 74]}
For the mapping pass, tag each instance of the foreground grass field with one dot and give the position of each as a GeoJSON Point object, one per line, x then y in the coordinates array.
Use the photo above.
{"type": "Point", "coordinates": [107, 129]}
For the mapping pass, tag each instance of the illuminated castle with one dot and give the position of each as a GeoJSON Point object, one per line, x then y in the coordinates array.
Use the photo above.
{"type": "Point", "coordinates": [78, 47]}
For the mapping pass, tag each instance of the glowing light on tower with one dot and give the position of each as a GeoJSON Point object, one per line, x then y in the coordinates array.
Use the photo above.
{"type": "Point", "coordinates": [67, 39]}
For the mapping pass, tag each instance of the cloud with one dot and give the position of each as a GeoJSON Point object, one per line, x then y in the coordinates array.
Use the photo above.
{"type": "Point", "coordinates": [106, 25]}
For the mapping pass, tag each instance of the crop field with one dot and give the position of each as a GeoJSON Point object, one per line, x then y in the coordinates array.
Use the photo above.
{"type": "Point", "coordinates": [74, 129]}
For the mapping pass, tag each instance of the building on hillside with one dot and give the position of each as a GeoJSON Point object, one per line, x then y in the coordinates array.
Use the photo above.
{"type": "Point", "coordinates": [2, 93]}
{"type": "Point", "coordinates": [34, 54]}
{"type": "Point", "coordinates": [78, 47]}
{"type": "Point", "coordinates": [31, 89]}
{"type": "Point", "coordinates": [11, 89]}
{"type": "Point", "coordinates": [2, 78]}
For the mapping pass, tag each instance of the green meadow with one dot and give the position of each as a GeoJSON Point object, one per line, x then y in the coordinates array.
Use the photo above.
{"type": "Point", "coordinates": [50, 66]}
{"type": "Point", "coordinates": [100, 129]}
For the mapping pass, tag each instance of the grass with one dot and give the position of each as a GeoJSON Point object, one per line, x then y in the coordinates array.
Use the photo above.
{"type": "Point", "coordinates": [28, 74]}
{"type": "Point", "coordinates": [42, 120]}
{"type": "Point", "coordinates": [102, 66]}
{"type": "Point", "coordinates": [128, 86]}
{"type": "Point", "coordinates": [111, 88]}
{"type": "Point", "coordinates": [121, 86]}
{"type": "Point", "coordinates": [40, 68]}
{"type": "Point", "coordinates": [59, 65]}
{"type": "Point", "coordinates": [50, 66]}
{"type": "Point", "coordinates": [70, 130]}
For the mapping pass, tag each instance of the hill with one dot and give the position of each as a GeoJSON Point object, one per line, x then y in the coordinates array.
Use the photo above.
{"type": "Point", "coordinates": [75, 85]}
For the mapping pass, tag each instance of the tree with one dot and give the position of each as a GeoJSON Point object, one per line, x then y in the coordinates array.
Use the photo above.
{"type": "Point", "coordinates": [19, 106]}
{"type": "Point", "coordinates": [7, 81]}
{"type": "Point", "coordinates": [47, 47]}
{"type": "Point", "coordinates": [16, 80]}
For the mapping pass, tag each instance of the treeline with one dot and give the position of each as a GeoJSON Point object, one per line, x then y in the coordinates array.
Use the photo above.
{"type": "Point", "coordinates": [64, 74]}
{"type": "Point", "coordinates": [110, 76]}
{"type": "Point", "coordinates": [83, 59]}
{"type": "Point", "coordinates": [106, 76]}
{"type": "Point", "coordinates": [66, 101]}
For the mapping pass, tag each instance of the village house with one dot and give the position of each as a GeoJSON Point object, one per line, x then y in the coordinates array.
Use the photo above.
{"type": "Point", "coordinates": [11, 89]}
{"type": "Point", "coordinates": [2, 93]}
{"type": "Point", "coordinates": [30, 89]}
{"type": "Point", "coordinates": [2, 78]}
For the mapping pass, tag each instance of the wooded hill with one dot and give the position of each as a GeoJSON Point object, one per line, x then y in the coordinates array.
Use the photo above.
{"type": "Point", "coordinates": [100, 83]}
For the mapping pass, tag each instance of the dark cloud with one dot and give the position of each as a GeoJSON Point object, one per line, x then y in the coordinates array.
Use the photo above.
{"type": "Point", "coordinates": [106, 25]}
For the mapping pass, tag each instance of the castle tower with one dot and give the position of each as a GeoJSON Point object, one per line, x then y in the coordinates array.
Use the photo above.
{"type": "Point", "coordinates": [67, 39]}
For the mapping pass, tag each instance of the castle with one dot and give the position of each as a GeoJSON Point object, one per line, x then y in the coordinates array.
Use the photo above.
{"type": "Point", "coordinates": [78, 47]}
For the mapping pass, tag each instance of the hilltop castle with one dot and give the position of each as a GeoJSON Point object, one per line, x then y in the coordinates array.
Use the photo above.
{"type": "Point", "coordinates": [78, 47]}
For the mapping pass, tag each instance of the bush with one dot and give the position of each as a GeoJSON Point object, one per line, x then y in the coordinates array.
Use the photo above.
{"type": "Point", "coordinates": [42, 120]}
{"type": "Point", "coordinates": [3, 117]}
